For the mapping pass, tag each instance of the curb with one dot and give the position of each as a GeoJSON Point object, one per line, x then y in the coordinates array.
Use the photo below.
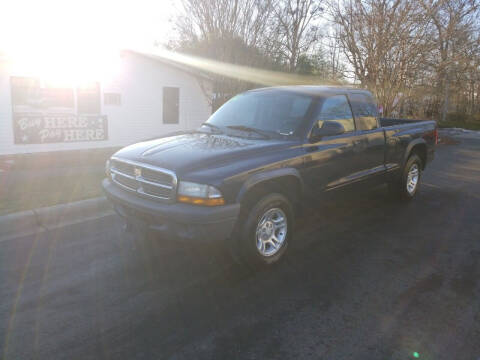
{"type": "Point", "coordinates": [41, 219]}
{"type": "Point", "coordinates": [20, 223]}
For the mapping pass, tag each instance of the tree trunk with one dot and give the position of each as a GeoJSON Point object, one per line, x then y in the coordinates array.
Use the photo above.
{"type": "Point", "coordinates": [446, 95]}
{"type": "Point", "coordinates": [472, 97]}
{"type": "Point", "coordinates": [292, 60]}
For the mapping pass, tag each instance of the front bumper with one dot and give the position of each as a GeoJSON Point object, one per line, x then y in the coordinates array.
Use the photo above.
{"type": "Point", "coordinates": [178, 221]}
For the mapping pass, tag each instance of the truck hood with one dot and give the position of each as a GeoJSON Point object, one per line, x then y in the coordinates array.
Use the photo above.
{"type": "Point", "coordinates": [197, 150]}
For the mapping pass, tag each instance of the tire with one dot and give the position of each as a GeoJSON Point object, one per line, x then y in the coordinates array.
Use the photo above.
{"type": "Point", "coordinates": [262, 223]}
{"type": "Point", "coordinates": [406, 187]}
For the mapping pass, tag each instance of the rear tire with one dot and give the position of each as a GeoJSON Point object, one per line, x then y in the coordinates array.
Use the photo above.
{"type": "Point", "coordinates": [406, 187]}
{"type": "Point", "coordinates": [265, 232]}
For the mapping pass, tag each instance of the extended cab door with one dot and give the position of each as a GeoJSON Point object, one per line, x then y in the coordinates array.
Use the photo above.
{"type": "Point", "coordinates": [371, 137]}
{"type": "Point", "coordinates": [332, 161]}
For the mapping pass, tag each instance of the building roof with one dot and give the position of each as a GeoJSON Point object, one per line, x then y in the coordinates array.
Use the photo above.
{"type": "Point", "coordinates": [315, 89]}
{"type": "Point", "coordinates": [169, 62]}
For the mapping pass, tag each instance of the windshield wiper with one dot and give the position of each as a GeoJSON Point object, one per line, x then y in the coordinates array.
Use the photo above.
{"type": "Point", "coordinates": [212, 126]}
{"type": "Point", "coordinates": [248, 129]}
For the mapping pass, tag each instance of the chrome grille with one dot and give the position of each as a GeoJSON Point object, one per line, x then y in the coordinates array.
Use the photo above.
{"type": "Point", "coordinates": [146, 180]}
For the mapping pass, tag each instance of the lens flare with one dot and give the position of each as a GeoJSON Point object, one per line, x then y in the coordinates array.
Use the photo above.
{"type": "Point", "coordinates": [239, 72]}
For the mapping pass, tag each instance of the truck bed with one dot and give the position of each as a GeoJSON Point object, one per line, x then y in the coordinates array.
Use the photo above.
{"type": "Point", "coordinates": [385, 122]}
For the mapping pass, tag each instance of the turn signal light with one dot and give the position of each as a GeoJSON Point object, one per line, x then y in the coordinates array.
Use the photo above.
{"type": "Point", "coordinates": [201, 201]}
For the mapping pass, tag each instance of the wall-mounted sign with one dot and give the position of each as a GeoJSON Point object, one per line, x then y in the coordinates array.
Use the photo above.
{"type": "Point", "coordinates": [53, 128]}
{"type": "Point", "coordinates": [47, 114]}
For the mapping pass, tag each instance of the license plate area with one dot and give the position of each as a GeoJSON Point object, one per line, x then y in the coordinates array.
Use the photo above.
{"type": "Point", "coordinates": [136, 215]}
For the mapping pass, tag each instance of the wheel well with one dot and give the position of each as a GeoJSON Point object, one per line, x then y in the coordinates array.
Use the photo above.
{"type": "Point", "coordinates": [421, 151]}
{"type": "Point", "coordinates": [288, 186]}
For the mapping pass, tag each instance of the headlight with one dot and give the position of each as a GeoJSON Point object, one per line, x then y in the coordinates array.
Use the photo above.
{"type": "Point", "coordinates": [199, 194]}
{"type": "Point", "coordinates": [107, 168]}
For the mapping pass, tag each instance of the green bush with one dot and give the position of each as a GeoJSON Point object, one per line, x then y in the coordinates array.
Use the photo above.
{"type": "Point", "coordinates": [457, 117]}
{"type": "Point", "coordinates": [461, 120]}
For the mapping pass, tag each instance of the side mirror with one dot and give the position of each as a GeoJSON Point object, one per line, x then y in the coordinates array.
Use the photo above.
{"type": "Point", "coordinates": [329, 128]}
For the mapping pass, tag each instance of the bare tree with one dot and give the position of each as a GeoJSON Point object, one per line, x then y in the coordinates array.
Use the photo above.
{"type": "Point", "coordinates": [333, 50]}
{"type": "Point", "coordinates": [453, 21]}
{"type": "Point", "coordinates": [384, 41]}
{"type": "Point", "coordinates": [231, 31]}
{"type": "Point", "coordinates": [244, 19]}
{"type": "Point", "coordinates": [296, 28]}
{"type": "Point", "coordinates": [420, 58]}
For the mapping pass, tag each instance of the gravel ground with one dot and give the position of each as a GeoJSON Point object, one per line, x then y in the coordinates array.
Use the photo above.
{"type": "Point", "coordinates": [367, 278]}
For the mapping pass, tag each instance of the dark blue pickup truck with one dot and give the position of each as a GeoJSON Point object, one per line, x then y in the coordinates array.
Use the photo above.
{"type": "Point", "coordinates": [244, 174]}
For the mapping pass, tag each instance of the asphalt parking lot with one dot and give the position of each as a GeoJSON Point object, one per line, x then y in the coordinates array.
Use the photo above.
{"type": "Point", "coordinates": [366, 278]}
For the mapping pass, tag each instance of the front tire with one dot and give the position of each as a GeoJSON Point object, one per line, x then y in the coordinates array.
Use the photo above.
{"type": "Point", "coordinates": [406, 187]}
{"type": "Point", "coordinates": [267, 231]}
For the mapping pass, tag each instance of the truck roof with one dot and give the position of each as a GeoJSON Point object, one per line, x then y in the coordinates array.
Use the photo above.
{"type": "Point", "coordinates": [317, 90]}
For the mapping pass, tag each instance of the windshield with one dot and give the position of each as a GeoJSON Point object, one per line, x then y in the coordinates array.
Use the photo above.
{"type": "Point", "coordinates": [277, 112]}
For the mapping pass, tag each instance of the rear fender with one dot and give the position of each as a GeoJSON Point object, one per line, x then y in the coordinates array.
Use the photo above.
{"type": "Point", "coordinates": [410, 146]}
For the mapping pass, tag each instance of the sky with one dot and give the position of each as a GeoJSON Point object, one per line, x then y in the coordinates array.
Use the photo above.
{"type": "Point", "coordinates": [36, 26]}
{"type": "Point", "coordinates": [71, 41]}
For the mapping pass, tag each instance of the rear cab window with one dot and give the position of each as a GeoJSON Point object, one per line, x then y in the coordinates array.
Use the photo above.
{"type": "Point", "coordinates": [364, 110]}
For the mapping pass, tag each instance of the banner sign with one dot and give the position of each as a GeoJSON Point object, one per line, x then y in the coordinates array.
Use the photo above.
{"type": "Point", "coordinates": [47, 114]}
{"type": "Point", "coordinates": [54, 128]}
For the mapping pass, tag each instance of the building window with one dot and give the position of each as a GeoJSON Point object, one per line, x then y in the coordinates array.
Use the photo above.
{"type": "Point", "coordinates": [88, 99]}
{"type": "Point", "coordinates": [170, 105]}
{"type": "Point", "coordinates": [112, 99]}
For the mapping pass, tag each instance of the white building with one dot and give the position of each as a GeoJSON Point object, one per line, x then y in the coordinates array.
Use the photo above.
{"type": "Point", "coordinates": [148, 96]}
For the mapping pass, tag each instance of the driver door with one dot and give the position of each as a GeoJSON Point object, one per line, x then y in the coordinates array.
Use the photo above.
{"type": "Point", "coordinates": [332, 161]}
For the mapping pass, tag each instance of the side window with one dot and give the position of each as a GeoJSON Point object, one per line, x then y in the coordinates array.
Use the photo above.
{"type": "Point", "coordinates": [336, 108]}
{"type": "Point", "coordinates": [365, 111]}
{"type": "Point", "coordinates": [112, 99]}
{"type": "Point", "coordinates": [170, 105]}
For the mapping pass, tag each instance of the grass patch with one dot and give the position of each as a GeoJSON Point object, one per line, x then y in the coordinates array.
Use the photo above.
{"type": "Point", "coordinates": [459, 124]}
{"type": "Point", "coordinates": [32, 193]}
{"type": "Point", "coordinates": [37, 180]}
{"type": "Point", "coordinates": [461, 120]}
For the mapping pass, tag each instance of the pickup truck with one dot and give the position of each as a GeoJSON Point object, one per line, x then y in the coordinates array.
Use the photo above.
{"type": "Point", "coordinates": [243, 175]}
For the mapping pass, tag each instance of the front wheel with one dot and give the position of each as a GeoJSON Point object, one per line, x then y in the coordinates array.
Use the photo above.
{"type": "Point", "coordinates": [267, 231]}
{"type": "Point", "coordinates": [407, 185]}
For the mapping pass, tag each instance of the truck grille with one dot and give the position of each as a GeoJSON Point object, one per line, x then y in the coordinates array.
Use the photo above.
{"type": "Point", "coordinates": [146, 180]}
